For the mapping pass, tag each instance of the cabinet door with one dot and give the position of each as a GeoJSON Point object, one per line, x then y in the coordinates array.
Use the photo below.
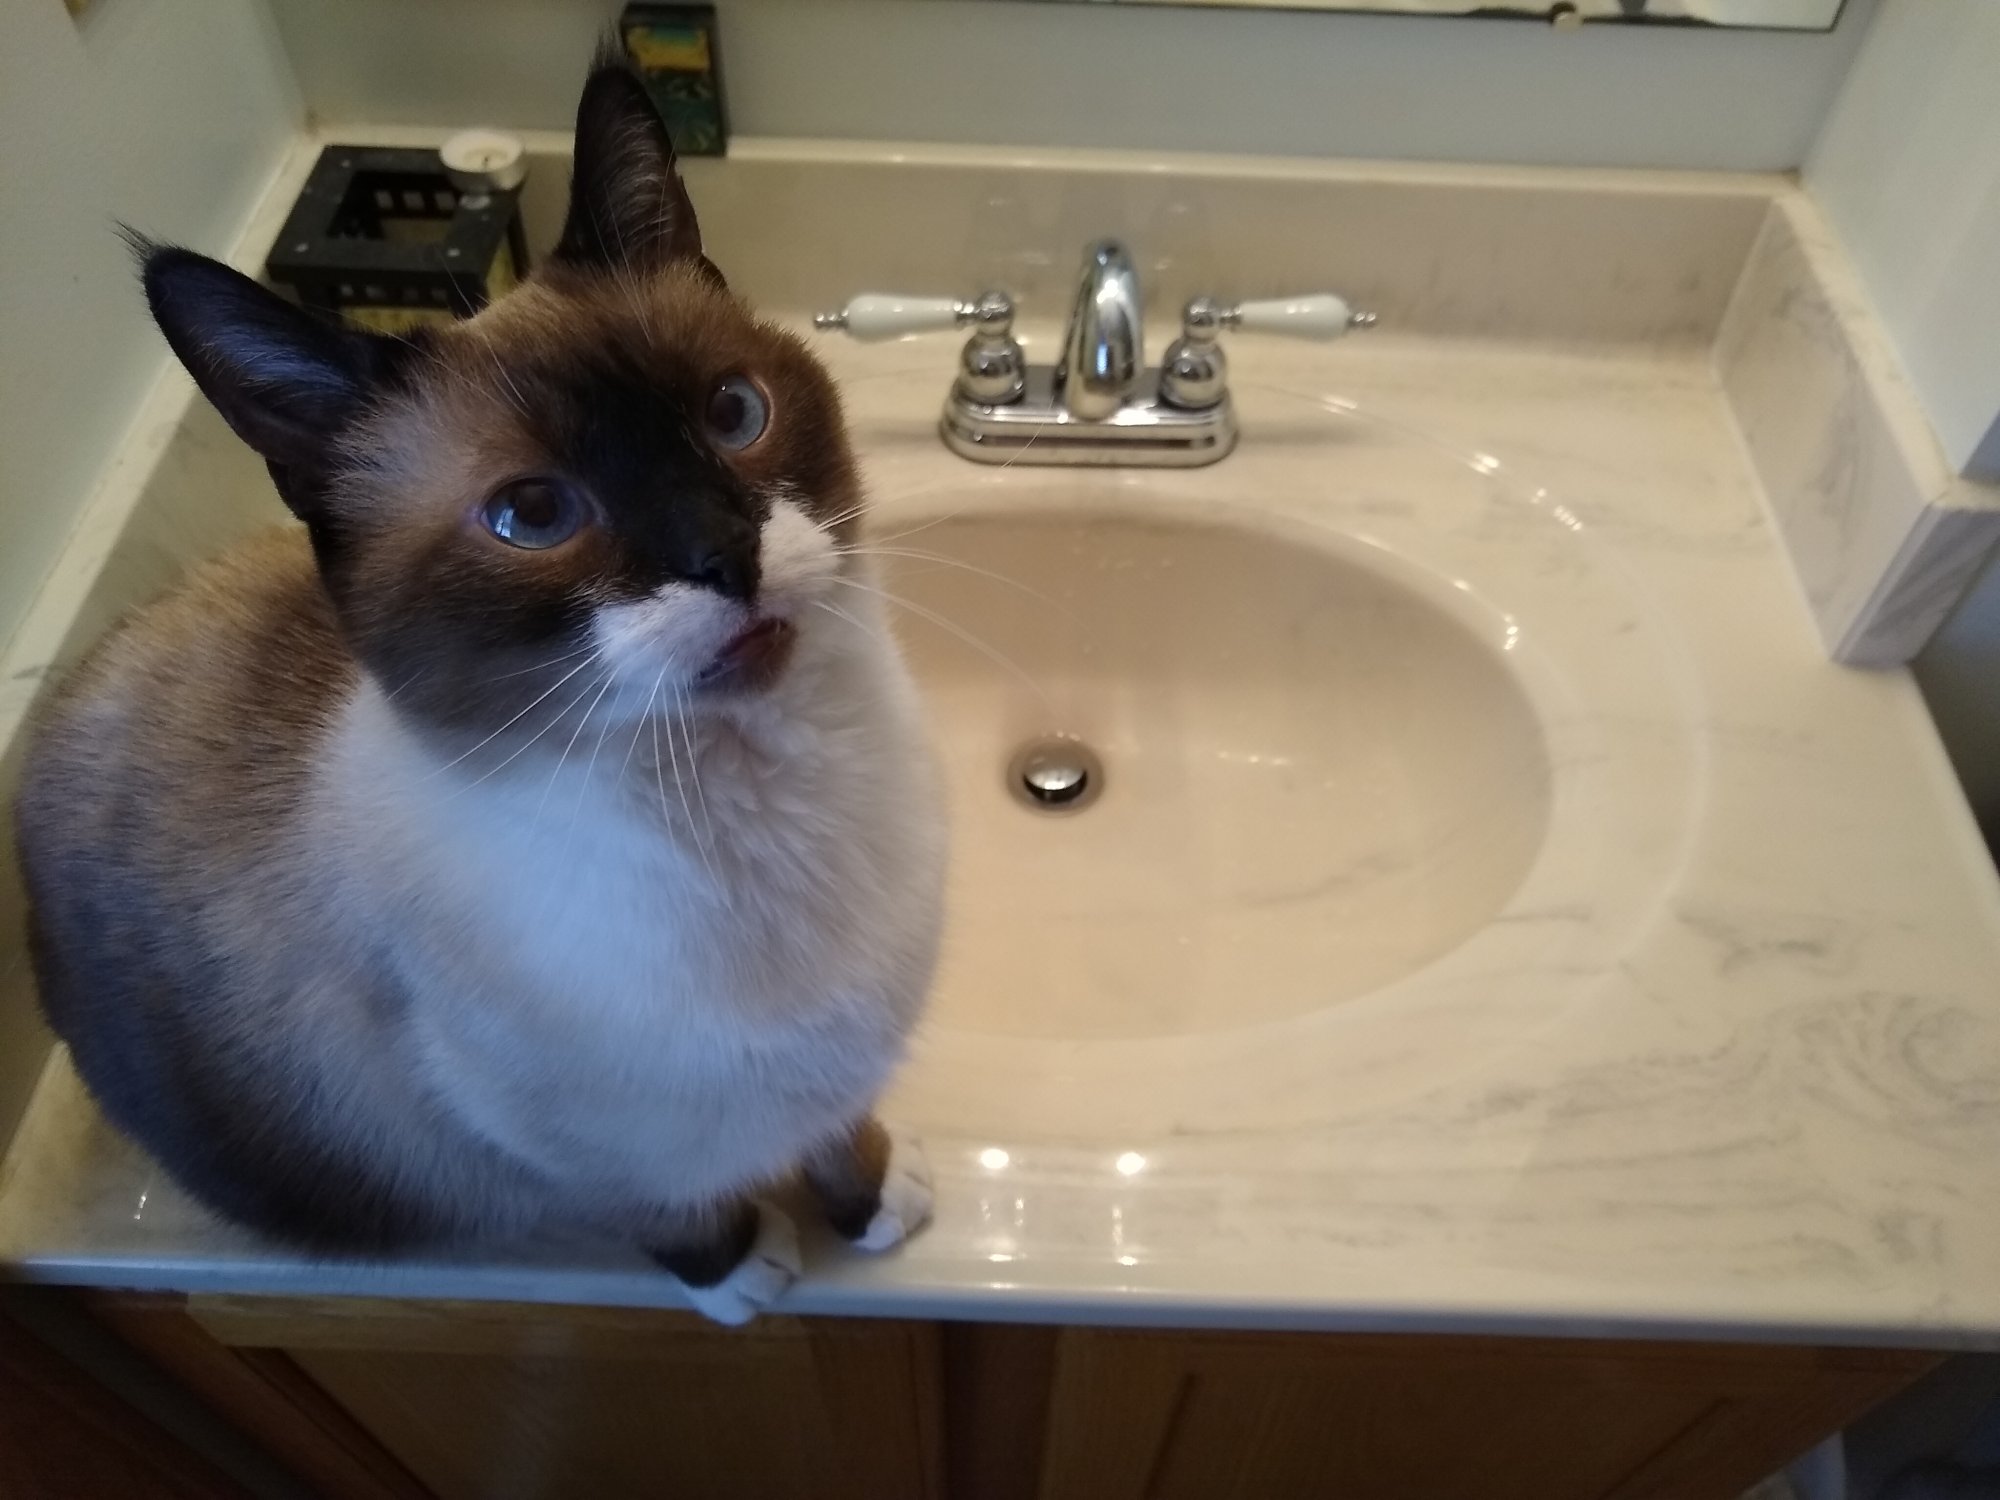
{"type": "Point", "coordinates": [1184, 1416]}
{"type": "Point", "coordinates": [63, 1434]}
{"type": "Point", "coordinates": [494, 1402]}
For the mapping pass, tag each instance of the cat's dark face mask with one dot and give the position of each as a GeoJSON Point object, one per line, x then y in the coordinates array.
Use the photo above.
{"type": "Point", "coordinates": [613, 486]}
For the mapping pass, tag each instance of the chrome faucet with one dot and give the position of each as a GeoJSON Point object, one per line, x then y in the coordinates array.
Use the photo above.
{"type": "Point", "coordinates": [1098, 404]}
{"type": "Point", "coordinates": [1104, 346]}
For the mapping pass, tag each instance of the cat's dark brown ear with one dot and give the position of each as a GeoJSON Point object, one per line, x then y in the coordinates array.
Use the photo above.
{"type": "Point", "coordinates": [628, 209]}
{"type": "Point", "coordinates": [286, 380]}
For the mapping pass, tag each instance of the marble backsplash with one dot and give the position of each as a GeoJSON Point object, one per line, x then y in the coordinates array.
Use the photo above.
{"type": "Point", "coordinates": [1884, 537]}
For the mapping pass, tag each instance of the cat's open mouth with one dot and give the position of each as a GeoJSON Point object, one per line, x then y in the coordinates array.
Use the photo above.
{"type": "Point", "coordinates": [753, 657]}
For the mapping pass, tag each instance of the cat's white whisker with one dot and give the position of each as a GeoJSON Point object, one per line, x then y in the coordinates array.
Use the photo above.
{"type": "Point", "coordinates": [487, 681]}
{"type": "Point", "coordinates": [840, 614]}
{"type": "Point", "coordinates": [518, 717]}
{"type": "Point", "coordinates": [666, 815]}
{"type": "Point", "coordinates": [952, 515]}
{"type": "Point", "coordinates": [532, 739]}
{"type": "Point", "coordinates": [990, 652]}
{"type": "Point", "coordinates": [540, 666]}
{"type": "Point", "coordinates": [1021, 452]}
{"type": "Point", "coordinates": [652, 722]}
{"type": "Point", "coordinates": [680, 786]}
{"type": "Point", "coordinates": [953, 562]}
{"type": "Point", "coordinates": [880, 503]}
{"type": "Point", "coordinates": [639, 724]}
{"type": "Point", "coordinates": [858, 508]}
{"type": "Point", "coordinates": [393, 693]}
{"type": "Point", "coordinates": [694, 768]}
{"type": "Point", "coordinates": [581, 725]}
{"type": "Point", "coordinates": [484, 341]}
{"type": "Point", "coordinates": [583, 786]}
{"type": "Point", "coordinates": [910, 531]}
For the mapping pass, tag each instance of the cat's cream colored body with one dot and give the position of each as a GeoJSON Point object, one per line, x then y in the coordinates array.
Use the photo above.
{"type": "Point", "coordinates": [547, 837]}
{"type": "Point", "coordinates": [654, 971]}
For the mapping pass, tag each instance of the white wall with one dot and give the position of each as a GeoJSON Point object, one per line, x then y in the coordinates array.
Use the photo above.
{"type": "Point", "coordinates": [168, 114]}
{"type": "Point", "coordinates": [1139, 77]}
{"type": "Point", "coordinates": [1908, 170]}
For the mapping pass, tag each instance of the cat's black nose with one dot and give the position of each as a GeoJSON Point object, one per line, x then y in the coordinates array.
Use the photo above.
{"type": "Point", "coordinates": [730, 571]}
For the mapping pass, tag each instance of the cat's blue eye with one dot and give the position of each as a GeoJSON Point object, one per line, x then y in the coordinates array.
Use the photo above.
{"type": "Point", "coordinates": [534, 513]}
{"type": "Point", "coordinates": [737, 413]}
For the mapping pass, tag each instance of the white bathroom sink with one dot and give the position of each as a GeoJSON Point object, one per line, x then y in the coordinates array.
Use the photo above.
{"type": "Point", "coordinates": [1311, 777]}
{"type": "Point", "coordinates": [1387, 747]}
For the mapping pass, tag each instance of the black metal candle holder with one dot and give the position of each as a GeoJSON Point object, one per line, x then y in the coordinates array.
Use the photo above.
{"type": "Point", "coordinates": [382, 237]}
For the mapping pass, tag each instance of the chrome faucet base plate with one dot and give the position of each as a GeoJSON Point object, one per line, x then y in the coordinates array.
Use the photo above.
{"type": "Point", "coordinates": [1039, 429]}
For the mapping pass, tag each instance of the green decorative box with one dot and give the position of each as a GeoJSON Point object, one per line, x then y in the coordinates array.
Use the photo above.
{"type": "Point", "coordinates": [674, 49]}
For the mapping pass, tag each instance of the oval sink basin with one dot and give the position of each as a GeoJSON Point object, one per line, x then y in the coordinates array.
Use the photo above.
{"type": "Point", "coordinates": [1392, 759]}
{"type": "Point", "coordinates": [1313, 776]}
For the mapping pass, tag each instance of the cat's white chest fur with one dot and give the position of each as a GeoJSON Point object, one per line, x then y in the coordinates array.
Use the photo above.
{"type": "Point", "coordinates": [649, 980]}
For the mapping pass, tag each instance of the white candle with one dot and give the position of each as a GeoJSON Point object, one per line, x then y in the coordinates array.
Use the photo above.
{"type": "Point", "coordinates": [485, 161]}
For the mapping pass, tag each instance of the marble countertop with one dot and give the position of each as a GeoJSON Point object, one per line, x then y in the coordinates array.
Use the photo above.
{"type": "Point", "coordinates": [1765, 1103]}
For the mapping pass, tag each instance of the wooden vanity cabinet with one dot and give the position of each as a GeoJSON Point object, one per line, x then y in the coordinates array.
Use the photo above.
{"type": "Point", "coordinates": [472, 1401]}
{"type": "Point", "coordinates": [63, 1433]}
{"type": "Point", "coordinates": [1200, 1416]}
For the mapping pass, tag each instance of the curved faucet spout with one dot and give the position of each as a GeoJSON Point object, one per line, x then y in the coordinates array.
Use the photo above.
{"type": "Point", "coordinates": [1104, 346]}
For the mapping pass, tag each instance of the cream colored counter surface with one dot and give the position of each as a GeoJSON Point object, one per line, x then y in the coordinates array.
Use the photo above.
{"type": "Point", "coordinates": [1690, 1027]}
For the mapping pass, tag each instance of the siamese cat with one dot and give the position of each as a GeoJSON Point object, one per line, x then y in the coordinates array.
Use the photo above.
{"type": "Point", "coordinates": [542, 835]}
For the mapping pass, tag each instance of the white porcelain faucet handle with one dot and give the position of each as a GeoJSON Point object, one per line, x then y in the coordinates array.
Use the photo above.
{"type": "Point", "coordinates": [873, 317]}
{"type": "Point", "coordinates": [1317, 315]}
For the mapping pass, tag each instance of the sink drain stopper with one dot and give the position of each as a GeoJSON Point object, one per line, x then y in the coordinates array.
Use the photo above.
{"type": "Point", "coordinates": [1056, 774]}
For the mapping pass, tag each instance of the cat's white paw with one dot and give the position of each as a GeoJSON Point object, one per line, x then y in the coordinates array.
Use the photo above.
{"type": "Point", "coordinates": [760, 1278]}
{"type": "Point", "coordinates": [906, 1196]}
